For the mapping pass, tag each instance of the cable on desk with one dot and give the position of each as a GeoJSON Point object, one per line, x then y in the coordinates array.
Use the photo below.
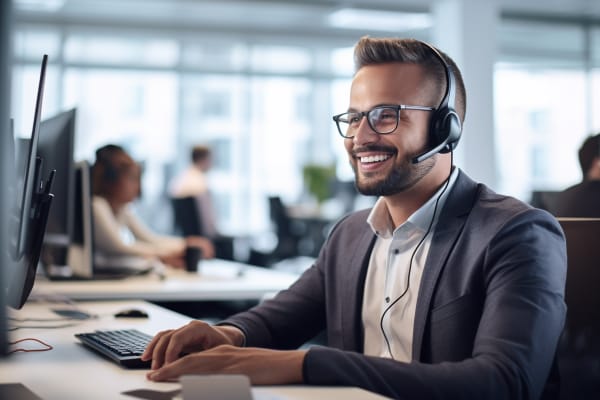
{"type": "Point", "coordinates": [20, 349]}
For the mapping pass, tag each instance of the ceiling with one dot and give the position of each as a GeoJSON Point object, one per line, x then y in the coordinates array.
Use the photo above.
{"type": "Point", "coordinates": [286, 18]}
{"type": "Point", "coordinates": [276, 13]}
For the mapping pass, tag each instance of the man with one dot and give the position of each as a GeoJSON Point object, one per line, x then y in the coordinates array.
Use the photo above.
{"type": "Point", "coordinates": [583, 199]}
{"type": "Point", "coordinates": [192, 182]}
{"type": "Point", "coordinates": [443, 290]}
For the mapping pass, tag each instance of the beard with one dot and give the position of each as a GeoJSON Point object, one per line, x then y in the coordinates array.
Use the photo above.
{"type": "Point", "coordinates": [402, 177]}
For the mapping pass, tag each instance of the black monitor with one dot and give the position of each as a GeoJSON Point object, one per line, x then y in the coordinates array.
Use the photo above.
{"type": "Point", "coordinates": [28, 214]}
{"type": "Point", "coordinates": [56, 148]}
{"type": "Point", "coordinates": [6, 167]}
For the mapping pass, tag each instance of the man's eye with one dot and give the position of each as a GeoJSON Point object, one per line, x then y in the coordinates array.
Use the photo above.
{"type": "Point", "coordinates": [387, 115]}
{"type": "Point", "coordinates": [353, 119]}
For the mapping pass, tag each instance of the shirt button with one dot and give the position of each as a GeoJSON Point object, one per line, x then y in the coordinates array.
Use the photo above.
{"type": "Point", "coordinates": [387, 299]}
{"type": "Point", "coordinates": [396, 251]}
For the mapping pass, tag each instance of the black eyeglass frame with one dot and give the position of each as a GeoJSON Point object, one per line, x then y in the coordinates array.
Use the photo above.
{"type": "Point", "coordinates": [397, 108]}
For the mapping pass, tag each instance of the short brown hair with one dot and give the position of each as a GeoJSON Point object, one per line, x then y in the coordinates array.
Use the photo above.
{"type": "Point", "coordinates": [370, 51]}
{"type": "Point", "coordinates": [200, 153]}
{"type": "Point", "coordinates": [589, 150]}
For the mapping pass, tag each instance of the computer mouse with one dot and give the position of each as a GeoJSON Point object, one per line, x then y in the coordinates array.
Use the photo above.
{"type": "Point", "coordinates": [132, 313]}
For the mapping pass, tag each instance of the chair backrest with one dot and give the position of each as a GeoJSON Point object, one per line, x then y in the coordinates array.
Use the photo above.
{"type": "Point", "coordinates": [279, 216]}
{"type": "Point", "coordinates": [582, 293]}
{"type": "Point", "coordinates": [186, 218]}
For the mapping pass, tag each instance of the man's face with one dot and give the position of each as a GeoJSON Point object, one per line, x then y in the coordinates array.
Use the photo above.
{"type": "Point", "coordinates": [383, 163]}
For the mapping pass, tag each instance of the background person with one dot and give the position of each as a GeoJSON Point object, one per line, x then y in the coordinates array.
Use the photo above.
{"type": "Point", "coordinates": [583, 199]}
{"type": "Point", "coordinates": [117, 230]}
{"type": "Point", "coordinates": [444, 289]}
{"type": "Point", "coordinates": [191, 187]}
{"type": "Point", "coordinates": [192, 182]}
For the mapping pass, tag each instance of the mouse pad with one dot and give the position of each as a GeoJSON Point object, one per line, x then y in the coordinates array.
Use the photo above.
{"type": "Point", "coordinates": [222, 387]}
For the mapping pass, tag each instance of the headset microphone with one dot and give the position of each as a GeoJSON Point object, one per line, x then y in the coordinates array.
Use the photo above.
{"type": "Point", "coordinates": [423, 156]}
{"type": "Point", "coordinates": [445, 127]}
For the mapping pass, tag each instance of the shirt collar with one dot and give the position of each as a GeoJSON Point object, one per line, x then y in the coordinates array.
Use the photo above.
{"type": "Point", "coordinates": [380, 220]}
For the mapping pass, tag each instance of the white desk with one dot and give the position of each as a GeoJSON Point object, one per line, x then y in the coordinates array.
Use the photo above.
{"type": "Point", "coordinates": [70, 371]}
{"type": "Point", "coordinates": [215, 280]}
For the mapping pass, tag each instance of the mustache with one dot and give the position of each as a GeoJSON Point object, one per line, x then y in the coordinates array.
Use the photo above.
{"type": "Point", "coordinates": [385, 149]}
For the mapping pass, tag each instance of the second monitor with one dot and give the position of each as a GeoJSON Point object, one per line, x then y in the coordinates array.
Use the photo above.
{"type": "Point", "coordinates": [56, 147]}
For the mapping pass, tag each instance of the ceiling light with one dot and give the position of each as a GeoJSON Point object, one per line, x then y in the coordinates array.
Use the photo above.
{"type": "Point", "coordinates": [354, 18]}
{"type": "Point", "coordinates": [39, 5]}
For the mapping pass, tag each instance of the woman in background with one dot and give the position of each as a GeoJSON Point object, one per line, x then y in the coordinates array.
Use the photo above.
{"type": "Point", "coordinates": [118, 232]}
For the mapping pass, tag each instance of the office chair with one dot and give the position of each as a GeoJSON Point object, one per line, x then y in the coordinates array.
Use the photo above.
{"type": "Point", "coordinates": [186, 218]}
{"type": "Point", "coordinates": [579, 350]}
{"type": "Point", "coordinates": [289, 232]}
{"type": "Point", "coordinates": [187, 221]}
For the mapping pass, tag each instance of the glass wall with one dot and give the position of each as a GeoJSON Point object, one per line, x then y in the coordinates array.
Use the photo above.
{"type": "Point", "coordinates": [544, 100]}
{"type": "Point", "coordinates": [265, 108]}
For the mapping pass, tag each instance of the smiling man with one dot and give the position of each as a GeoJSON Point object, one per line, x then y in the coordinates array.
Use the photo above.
{"type": "Point", "coordinates": [444, 289]}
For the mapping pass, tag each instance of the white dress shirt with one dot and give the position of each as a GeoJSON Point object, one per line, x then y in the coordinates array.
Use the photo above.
{"type": "Point", "coordinates": [393, 279]}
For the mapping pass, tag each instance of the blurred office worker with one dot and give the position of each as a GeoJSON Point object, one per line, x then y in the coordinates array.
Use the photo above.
{"type": "Point", "coordinates": [444, 289]}
{"type": "Point", "coordinates": [117, 230]}
{"type": "Point", "coordinates": [192, 182]}
{"type": "Point", "coordinates": [583, 199]}
{"type": "Point", "coordinates": [192, 203]}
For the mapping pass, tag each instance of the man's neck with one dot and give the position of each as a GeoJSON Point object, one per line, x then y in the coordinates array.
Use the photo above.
{"type": "Point", "coordinates": [403, 205]}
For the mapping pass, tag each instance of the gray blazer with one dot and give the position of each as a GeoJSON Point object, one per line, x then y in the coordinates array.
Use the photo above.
{"type": "Point", "coordinates": [488, 318]}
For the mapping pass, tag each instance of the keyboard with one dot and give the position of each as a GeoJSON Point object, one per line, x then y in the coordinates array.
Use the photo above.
{"type": "Point", "coordinates": [124, 346]}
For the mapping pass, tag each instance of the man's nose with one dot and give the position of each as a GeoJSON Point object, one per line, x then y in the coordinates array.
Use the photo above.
{"type": "Point", "coordinates": [364, 133]}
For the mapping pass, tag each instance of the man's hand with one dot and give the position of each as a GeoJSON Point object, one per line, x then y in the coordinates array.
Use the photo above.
{"type": "Point", "coordinates": [262, 366]}
{"type": "Point", "coordinates": [168, 346]}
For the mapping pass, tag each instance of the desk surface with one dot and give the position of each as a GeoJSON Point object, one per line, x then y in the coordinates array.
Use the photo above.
{"type": "Point", "coordinates": [215, 280]}
{"type": "Point", "coordinates": [69, 371]}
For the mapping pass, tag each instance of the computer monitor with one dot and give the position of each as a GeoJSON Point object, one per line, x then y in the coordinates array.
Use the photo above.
{"type": "Point", "coordinates": [56, 148]}
{"type": "Point", "coordinates": [80, 255]}
{"type": "Point", "coordinates": [6, 167]}
{"type": "Point", "coordinates": [7, 161]}
{"type": "Point", "coordinates": [28, 214]}
{"type": "Point", "coordinates": [82, 261]}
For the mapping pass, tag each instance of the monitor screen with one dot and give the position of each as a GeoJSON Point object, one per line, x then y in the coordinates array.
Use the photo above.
{"type": "Point", "coordinates": [26, 177]}
{"type": "Point", "coordinates": [56, 147]}
{"type": "Point", "coordinates": [29, 211]}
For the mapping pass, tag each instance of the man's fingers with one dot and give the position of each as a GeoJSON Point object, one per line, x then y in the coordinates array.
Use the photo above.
{"type": "Point", "coordinates": [158, 355]}
{"type": "Point", "coordinates": [147, 355]}
{"type": "Point", "coordinates": [172, 371]}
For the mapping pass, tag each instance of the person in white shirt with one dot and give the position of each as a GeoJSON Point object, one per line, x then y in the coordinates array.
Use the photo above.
{"type": "Point", "coordinates": [192, 185]}
{"type": "Point", "coordinates": [192, 182]}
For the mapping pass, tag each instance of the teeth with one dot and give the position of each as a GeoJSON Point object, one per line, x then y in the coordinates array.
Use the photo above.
{"type": "Point", "coordinates": [377, 158]}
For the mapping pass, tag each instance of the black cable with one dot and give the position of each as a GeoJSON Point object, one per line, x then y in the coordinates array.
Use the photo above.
{"type": "Point", "coordinates": [387, 341]}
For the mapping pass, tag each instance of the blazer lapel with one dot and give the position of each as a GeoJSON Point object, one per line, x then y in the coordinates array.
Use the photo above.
{"type": "Point", "coordinates": [450, 224]}
{"type": "Point", "coordinates": [354, 281]}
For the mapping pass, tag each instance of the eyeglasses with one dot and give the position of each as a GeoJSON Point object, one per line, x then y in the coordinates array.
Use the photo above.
{"type": "Point", "coordinates": [382, 119]}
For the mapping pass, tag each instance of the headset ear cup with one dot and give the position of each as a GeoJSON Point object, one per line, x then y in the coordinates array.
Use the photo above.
{"type": "Point", "coordinates": [445, 129]}
{"type": "Point", "coordinates": [453, 128]}
{"type": "Point", "coordinates": [110, 173]}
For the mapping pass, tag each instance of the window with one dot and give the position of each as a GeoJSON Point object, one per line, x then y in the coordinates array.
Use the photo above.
{"type": "Point", "coordinates": [110, 50]}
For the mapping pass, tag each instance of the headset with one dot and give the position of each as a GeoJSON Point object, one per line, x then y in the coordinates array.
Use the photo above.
{"type": "Point", "coordinates": [445, 127]}
{"type": "Point", "coordinates": [104, 157]}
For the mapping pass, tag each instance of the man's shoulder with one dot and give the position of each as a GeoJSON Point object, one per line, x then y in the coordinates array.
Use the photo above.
{"type": "Point", "coordinates": [489, 207]}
